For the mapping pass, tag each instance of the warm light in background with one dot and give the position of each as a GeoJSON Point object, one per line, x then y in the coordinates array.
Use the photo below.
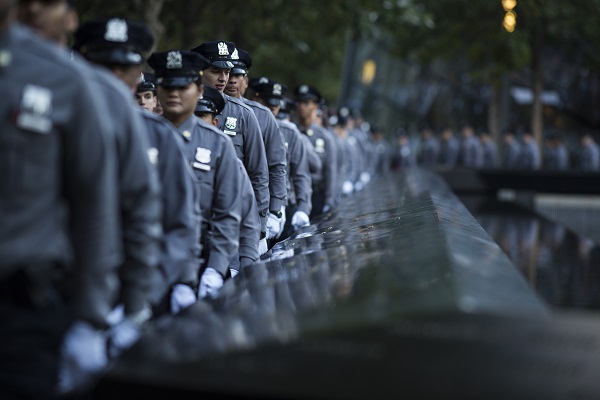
{"type": "Point", "coordinates": [509, 4]}
{"type": "Point", "coordinates": [368, 72]}
{"type": "Point", "coordinates": [510, 18]}
{"type": "Point", "coordinates": [510, 21]}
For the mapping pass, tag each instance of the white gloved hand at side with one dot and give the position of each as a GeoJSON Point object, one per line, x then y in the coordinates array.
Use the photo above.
{"type": "Point", "coordinates": [300, 219]}
{"type": "Point", "coordinates": [262, 246]}
{"type": "Point", "coordinates": [273, 224]}
{"type": "Point", "coordinates": [182, 296]}
{"type": "Point", "coordinates": [210, 283]}
{"type": "Point", "coordinates": [365, 178]}
{"type": "Point", "coordinates": [347, 187]}
{"type": "Point", "coordinates": [83, 355]}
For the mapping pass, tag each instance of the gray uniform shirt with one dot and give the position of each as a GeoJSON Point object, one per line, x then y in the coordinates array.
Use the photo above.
{"type": "Point", "coordinates": [238, 121]}
{"type": "Point", "coordinates": [275, 153]}
{"type": "Point", "coordinates": [180, 206]}
{"type": "Point", "coordinates": [139, 194]}
{"type": "Point", "coordinates": [324, 144]}
{"type": "Point", "coordinates": [298, 174]}
{"type": "Point", "coordinates": [249, 234]}
{"type": "Point", "coordinates": [212, 158]}
{"type": "Point", "coordinates": [57, 172]}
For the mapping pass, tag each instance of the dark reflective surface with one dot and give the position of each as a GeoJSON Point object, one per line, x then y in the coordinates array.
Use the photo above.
{"type": "Point", "coordinates": [563, 267]}
{"type": "Point", "coordinates": [398, 291]}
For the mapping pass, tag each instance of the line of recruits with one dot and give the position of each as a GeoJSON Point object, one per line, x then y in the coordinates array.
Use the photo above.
{"type": "Point", "coordinates": [113, 214]}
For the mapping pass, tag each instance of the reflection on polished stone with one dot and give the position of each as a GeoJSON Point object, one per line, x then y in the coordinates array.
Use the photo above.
{"type": "Point", "coordinates": [563, 267]}
{"type": "Point", "coordinates": [327, 303]}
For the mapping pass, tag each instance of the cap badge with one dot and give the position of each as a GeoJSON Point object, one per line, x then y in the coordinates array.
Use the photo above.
{"type": "Point", "coordinates": [174, 60]}
{"type": "Point", "coordinates": [303, 89]}
{"type": "Point", "coordinates": [277, 89]}
{"type": "Point", "coordinates": [235, 55]}
{"type": "Point", "coordinates": [223, 50]}
{"type": "Point", "coordinates": [263, 79]}
{"type": "Point", "coordinates": [116, 30]}
{"type": "Point", "coordinates": [231, 123]}
{"type": "Point", "coordinates": [141, 79]}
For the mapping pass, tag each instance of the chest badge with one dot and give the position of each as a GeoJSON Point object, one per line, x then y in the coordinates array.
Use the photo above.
{"type": "Point", "coordinates": [202, 159]}
{"type": "Point", "coordinates": [36, 106]}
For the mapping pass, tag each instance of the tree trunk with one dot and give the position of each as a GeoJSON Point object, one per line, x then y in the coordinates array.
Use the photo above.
{"type": "Point", "coordinates": [536, 42]}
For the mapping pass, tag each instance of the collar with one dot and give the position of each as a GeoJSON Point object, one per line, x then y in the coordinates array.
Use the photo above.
{"type": "Point", "coordinates": [187, 128]}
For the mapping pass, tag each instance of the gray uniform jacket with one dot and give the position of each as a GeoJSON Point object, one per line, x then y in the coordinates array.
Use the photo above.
{"type": "Point", "coordinates": [324, 144]}
{"type": "Point", "coordinates": [449, 150]}
{"type": "Point", "coordinates": [298, 174]}
{"type": "Point", "coordinates": [212, 158]}
{"type": "Point", "coordinates": [180, 205]}
{"type": "Point", "coordinates": [238, 121]}
{"type": "Point", "coordinates": [275, 153]}
{"type": "Point", "coordinates": [140, 201]}
{"type": "Point", "coordinates": [471, 153]}
{"type": "Point", "coordinates": [57, 168]}
{"type": "Point", "coordinates": [249, 232]}
{"type": "Point", "coordinates": [510, 158]}
{"type": "Point", "coordinates": [428, 152]}
{"type": "Point", "coordinates": [589, 158]}
{"type": "Point", "coordinates": [530, 156]}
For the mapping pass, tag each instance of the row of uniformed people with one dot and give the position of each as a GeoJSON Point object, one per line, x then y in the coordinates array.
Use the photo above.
{"type": "Point", "coordinates": [142, 193]}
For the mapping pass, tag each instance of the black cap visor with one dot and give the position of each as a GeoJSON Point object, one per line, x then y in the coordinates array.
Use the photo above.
{"type": "Point", "coordinates": [222, 64]}
{"type": "Point", "coordinates": [176, 80]}
{"type": "Point", "coordinates": [239, 70]}
{"type": "Point", "coordinates": [113, 55]}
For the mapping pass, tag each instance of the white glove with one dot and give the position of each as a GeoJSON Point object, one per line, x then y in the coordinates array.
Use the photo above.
{"type": "Point", "coordinates": [123, 336]}
{"type": "Point", "coordinates": [262, 246]}
{"type": "Point", "coordinates": [210, 283]}
{"type": "Point", "coordinates": [182, 296]}
{"type": "Point", "coordinates": [365, 178]}
{"type": "Point", "coordinates": [282, 223]}
{"type": "Point", "coordinates": [326, 208]}
{"type": "Point", "coordinates": [233, 272]}
{"type": "Point", "coordinates": [358, 186]}
{"type": "Point", "coordinates": [273, 224]}
{"type": "Point", "coordinates": [347, 187]}
{"type": "Point", "coordinates": [300, 219]}
{"type": "Point", "coordinates": [83, 354]}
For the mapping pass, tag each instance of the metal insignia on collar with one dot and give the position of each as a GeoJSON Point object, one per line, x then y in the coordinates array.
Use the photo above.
{"type": "Point", "coordinates": [231, 123]}
{"type": "Point", "coordinates": [174, 60]}
{"type": "Point", "coordinates": [116, 30]}
{"type": "Point", "coordinates": [5, 58]}
{"type": "Point", "coordinates": [223, 50]}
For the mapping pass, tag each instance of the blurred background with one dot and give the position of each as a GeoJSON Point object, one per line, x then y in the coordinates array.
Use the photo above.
{"type": "Point", "coordinates": [496, 64]}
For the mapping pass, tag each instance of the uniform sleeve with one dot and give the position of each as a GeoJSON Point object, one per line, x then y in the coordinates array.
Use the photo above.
{"type": "Point", "coordinates": [330, 170]}
{"type": "Point", "coordinates": [91, 189]}
{"type": "Point", "coordinates": [250, 223]}
{"type": "Point", "coordinates": [299, 172]}
{"type": "Point", "coordinates": [140, 209]}
{"type": "Point", "coordinates": [276, 160]}
{"type": "Point", "coordinates": [315, 165]}
{"type": "Point", "coordinates": [181, 216]}
{"type": "Point", "coordinates": [255, 161]}
{"type": "Point", "coordinates": [226, 208]}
